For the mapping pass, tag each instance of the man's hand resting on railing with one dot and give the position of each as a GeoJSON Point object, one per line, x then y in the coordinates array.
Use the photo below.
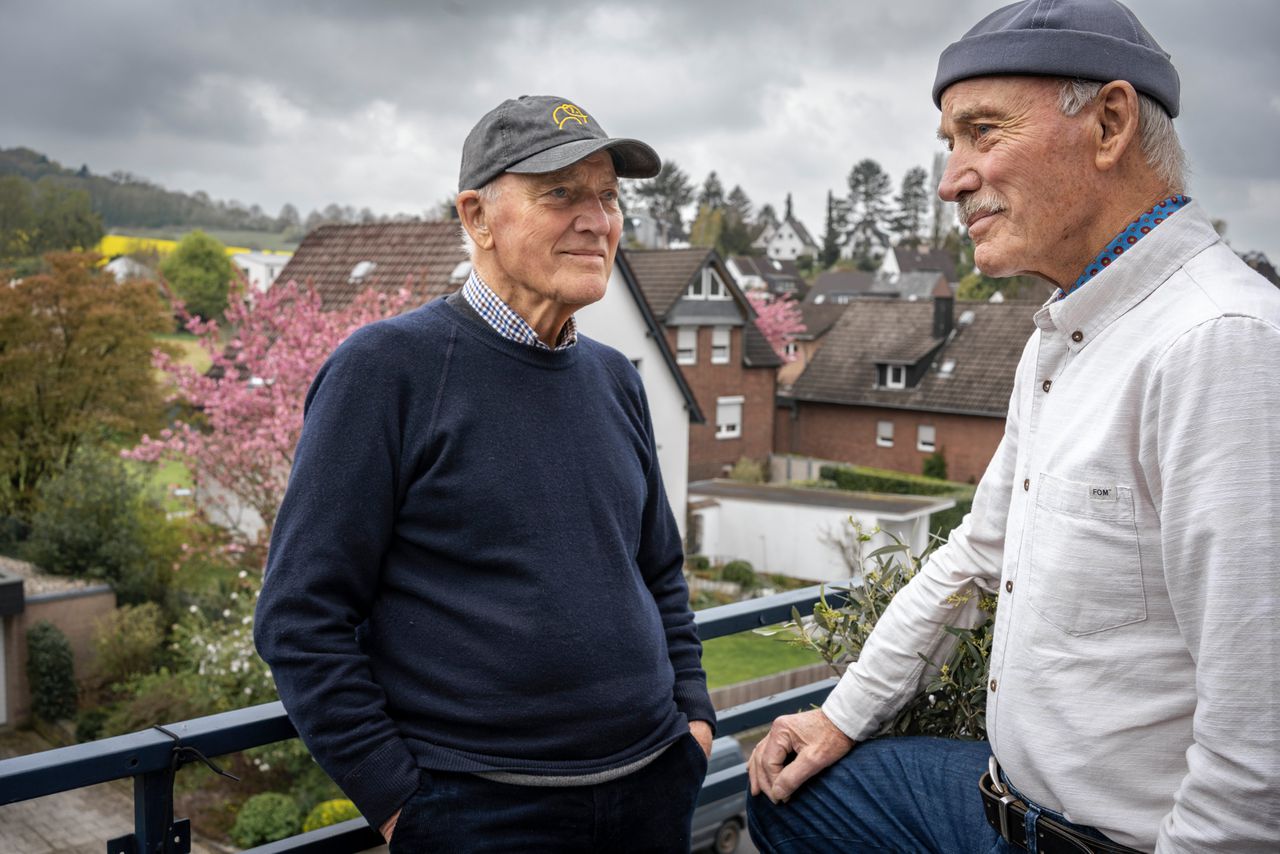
{"type": "Point", "coordinates": [815, 743]}
{"type": "Point", "coordinates": [701, 732]}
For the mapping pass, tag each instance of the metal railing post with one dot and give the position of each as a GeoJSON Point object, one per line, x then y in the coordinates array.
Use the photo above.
{"type": "Point", "coordinates": [154, 831]}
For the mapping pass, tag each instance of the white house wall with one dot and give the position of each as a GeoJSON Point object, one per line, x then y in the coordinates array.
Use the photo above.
{"type": "Point", "coordinates": [793, 539]}
{"type": "Point", "coordinates": [616, 320]}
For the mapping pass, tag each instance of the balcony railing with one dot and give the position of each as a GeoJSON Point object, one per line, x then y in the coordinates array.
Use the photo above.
{"type": "Point", "coordinates": [150, 757]}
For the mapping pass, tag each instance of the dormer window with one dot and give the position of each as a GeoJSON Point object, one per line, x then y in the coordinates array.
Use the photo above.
{"type": "Point", "coordinates": [891, 376]}
{"type": "Point", "coordinates": [709, 285]}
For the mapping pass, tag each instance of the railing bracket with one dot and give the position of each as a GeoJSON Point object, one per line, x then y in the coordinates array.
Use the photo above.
{"type": "Point", "coordinates": [178, 841]}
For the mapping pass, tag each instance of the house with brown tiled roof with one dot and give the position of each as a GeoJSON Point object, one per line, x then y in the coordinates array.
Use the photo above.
{"type": "Point", "coordinates": [896, 381]}
{"type": "Point", "coordinates": [843, 287]}
{"type": "Point", "coordinates": [818, 319]}
{"type": "Point", "coordinates": [727, 361]}
{"type": "Point", "coordinates": [900, 260]}
{"type": "Point", "coordinates": [341, 261]}
{"type": "Point", "coordinates": [775, 276]}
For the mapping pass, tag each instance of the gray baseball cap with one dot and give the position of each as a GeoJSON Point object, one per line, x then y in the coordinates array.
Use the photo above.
{"type": "Point", "coordinates": [542, 133]}
{"type": "Point", "coordinates": [1089, 39]}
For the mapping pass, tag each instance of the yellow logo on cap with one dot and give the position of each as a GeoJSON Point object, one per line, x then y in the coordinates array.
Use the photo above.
{"type": "Point", "coordinates": [566, 113]}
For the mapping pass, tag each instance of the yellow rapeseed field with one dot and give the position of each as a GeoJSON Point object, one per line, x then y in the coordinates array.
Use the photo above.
{"type": "Point", "coordinates": [113, 245]}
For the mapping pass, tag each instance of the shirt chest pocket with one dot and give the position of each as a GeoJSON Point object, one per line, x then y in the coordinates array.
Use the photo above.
{"type": "Point", "coordinates": [1086, 566]}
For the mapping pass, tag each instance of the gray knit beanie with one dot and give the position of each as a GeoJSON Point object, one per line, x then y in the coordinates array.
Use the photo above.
{"type": "Point", "coordinates": [1091, 39]}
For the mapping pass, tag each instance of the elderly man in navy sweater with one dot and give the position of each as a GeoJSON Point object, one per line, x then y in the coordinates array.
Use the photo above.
{"type": "Point", "coordinates": [473, 606]}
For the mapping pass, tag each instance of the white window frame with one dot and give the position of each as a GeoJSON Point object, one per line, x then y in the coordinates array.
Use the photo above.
{"type": "Point", "coordinates": [900, 381]}
{"type": "Point", "coordinates": [697, 288]}
{"type": "Point", "coordinates": [721, 345]}
{"type": "Point", "coordinates": [728, 428]}
{"type": "Point", "coordinates": [931, 444]}
{"type": "Point", "coordinates": [713, 286]}
{"type": "Point", "coordinates": [686, 350]}
{"type": "Point", "coordinates": [790, 349]}
{"type": "Point", "coordinates": [884, 434]}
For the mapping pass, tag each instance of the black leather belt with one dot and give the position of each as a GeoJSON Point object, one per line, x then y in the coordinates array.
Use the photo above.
{"type": "Point", "coordinates": [1007, 814]}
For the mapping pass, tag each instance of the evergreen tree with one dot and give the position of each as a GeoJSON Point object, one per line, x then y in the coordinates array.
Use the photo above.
{"type": "Point", "coordinates": [666, 195]}
{"type": "Point", "coordinates": [712, 193]}
{"type": "Point", "coordinates": [869, 186]}
{"type": "Point", "coordinates": [943, 212]}
{"type": "Point", "coordinates": [836, 225]}
{"type": "Point", "coordinates": [912, 206]}
{"type": "Point", "coordinates": [767, 216]}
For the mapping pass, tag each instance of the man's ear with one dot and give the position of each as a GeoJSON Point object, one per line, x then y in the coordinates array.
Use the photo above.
{"type": "Point", "coordinates": [474, 217]}
{"type": "Point", "coordinates": [1117, 128]}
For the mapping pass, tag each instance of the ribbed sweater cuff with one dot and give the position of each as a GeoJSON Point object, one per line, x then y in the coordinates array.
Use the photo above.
{"type": "Point", "coordinates": [692, 699]}
{"type": "Point", "coordinates": [382, 783]}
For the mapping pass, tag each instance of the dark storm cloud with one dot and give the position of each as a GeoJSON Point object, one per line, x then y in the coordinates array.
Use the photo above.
{"type": "Point", "coordinates": [367, 103]}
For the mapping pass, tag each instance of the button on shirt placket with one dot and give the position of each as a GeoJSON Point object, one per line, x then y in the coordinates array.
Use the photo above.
{"type": "Point", "coordinates": [1053, 351]}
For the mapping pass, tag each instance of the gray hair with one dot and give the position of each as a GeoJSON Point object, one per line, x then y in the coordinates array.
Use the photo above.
{"type": "Point", "coordinates": [1156, 134]}
{"type": "Point", "coordinates": [489, 194]}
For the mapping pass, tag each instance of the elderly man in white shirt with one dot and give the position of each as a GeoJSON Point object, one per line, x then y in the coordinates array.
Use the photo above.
{"type": "Point", "coordinates": [1130, 519]}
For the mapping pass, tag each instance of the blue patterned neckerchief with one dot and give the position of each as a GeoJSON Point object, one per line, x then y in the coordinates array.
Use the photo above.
{"type": "Point", "coordinates": [1136, 230]}
{"type": "Point", "coordinates": [507, 322]}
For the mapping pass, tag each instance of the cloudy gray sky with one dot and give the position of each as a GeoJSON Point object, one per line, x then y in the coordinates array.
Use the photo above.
{"type": "Point", "coordinates": [367, 103]}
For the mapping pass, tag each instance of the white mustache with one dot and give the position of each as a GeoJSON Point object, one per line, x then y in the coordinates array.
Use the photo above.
{"type": "Point", "coordinates": [970, 206]}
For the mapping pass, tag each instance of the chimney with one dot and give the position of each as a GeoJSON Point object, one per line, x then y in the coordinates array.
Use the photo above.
{"type": "Point", "coordinates": [944, 307]}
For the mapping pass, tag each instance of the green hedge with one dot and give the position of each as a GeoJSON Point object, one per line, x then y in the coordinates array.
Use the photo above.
{"type": "Point", "coordinates": [50, 672]}
{"type": "Point", "coordinates": [892, 482]}
{"type": "Point", "coordinates": [860, 479]}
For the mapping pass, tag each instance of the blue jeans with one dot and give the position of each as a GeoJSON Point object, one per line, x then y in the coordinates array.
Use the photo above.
{"type": "Point", "coordinates": [650, 810]}
{"type": "Point", "coordinates": [905, 795]}
{"type": "Point", "coordinates": [890, 795]}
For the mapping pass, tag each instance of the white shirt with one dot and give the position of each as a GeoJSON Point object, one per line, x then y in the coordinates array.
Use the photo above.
{"type": "Point", "coordinates": [1130, 520]}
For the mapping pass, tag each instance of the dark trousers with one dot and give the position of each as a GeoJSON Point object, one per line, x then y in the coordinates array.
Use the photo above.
{"type": "Point", "coordinates": [650, 810]}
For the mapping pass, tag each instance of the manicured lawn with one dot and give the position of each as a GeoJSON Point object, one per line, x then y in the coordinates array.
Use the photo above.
{"type": "Point", "coordinates": [737, 658]}
{"type": "Point", "coordinates": [189, 350]}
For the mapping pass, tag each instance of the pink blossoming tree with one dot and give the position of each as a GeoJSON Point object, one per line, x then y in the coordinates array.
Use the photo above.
{"type": "Point", "coordinates": [239, 444]}
{"type": "Point", "coordinates": [778, 319]}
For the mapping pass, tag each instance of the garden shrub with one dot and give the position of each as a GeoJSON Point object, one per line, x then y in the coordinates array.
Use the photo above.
{"type": "Point", "coordinates": [330, 812]}
{"type": "Point", "coordinates": [747, 470]}
{"type": "Point", "coordinates": [89, 723]}
{"type": "Point", "coordinates": [952, 703]}
{"type": "Point", "coordinates": [740, 572]}
{"type": "Point", "coordinates": [157, 698]}
{"type": "Point", "coordinates": [95, 521]}
{"type": "Point", "coordinates": [127, 642]}
{"type": "Point", "coordinates": [265, 818]}
{"type": "Point", "coordinates": [50, 672]}
{"type": "Point", "coordinates": [698, 563]}
{"type": "Point", "coordinates": [935, 465]}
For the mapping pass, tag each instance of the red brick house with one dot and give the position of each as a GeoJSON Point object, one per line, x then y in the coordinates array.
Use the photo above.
{"type": "Point", "coordinates": [896, 381]}
{"type": "Point", "coordinates": [726, 360]}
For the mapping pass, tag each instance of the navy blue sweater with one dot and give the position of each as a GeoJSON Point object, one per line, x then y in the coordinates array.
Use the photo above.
{"type": "Point", "coordinates": [475, 567]}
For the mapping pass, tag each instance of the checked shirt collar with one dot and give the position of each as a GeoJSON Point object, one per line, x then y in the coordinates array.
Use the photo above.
{"type": "Point", "coordinates": [506, 322]}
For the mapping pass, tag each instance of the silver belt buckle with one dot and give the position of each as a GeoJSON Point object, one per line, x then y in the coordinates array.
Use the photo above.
{"type": "Point", "coordinates": [1006, 798]}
